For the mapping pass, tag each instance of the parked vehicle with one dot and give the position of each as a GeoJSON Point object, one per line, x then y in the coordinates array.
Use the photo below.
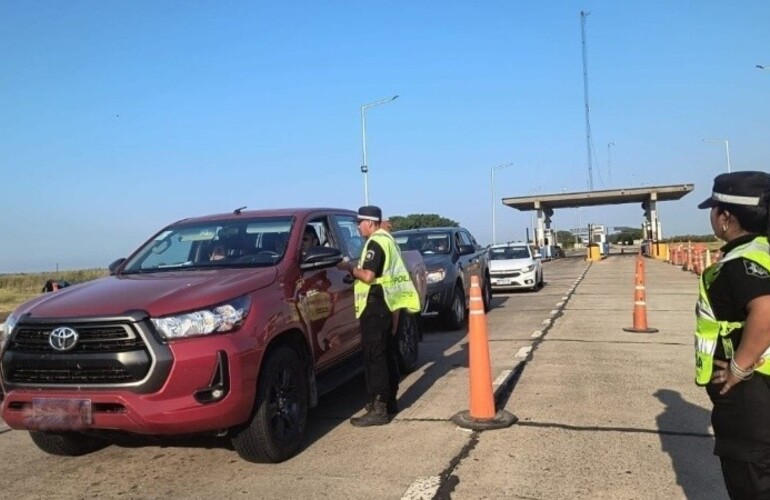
{"type": "Point", "coordinates": [515, 266]}
{"type": "Point", "coordinates": [452, 256]}
{"type": "Point", "coordinates": [223, 324]}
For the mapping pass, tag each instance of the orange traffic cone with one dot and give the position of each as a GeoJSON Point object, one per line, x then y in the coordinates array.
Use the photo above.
{"type": "Point", "coordinates": [688, 266]}
{"type": "Point", "coordinates": [482, 415]}
{"type": "Point", "coordinates": [640, 302]}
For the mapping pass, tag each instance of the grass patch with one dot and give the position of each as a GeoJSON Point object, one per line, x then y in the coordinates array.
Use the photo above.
{"type": "Point", "coordinates": [18, 288]}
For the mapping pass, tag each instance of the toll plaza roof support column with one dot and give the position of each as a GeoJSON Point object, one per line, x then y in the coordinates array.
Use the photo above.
{"type": "Point", "coordinates": [653, 217]}
{"type": "Point", "coordinates": [540, 232]}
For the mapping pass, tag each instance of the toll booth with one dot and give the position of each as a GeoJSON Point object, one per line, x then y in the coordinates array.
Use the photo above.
{"type": "Point", "coordinates": [543, 205]}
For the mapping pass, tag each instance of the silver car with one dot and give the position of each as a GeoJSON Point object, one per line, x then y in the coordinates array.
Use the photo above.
{"type": "Point", "coordinates": [515, 266]}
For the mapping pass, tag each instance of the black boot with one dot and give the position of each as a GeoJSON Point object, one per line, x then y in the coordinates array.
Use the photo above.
{"type": "Point", "coordinates": [392, 405]}
{"type": "Point", "coordinates": [376, 415]}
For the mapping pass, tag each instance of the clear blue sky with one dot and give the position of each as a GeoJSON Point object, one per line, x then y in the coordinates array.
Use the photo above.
{"type": "Point", "coordinates": [119, 117]}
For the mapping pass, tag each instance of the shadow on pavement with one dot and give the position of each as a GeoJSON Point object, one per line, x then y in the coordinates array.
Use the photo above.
{"type": "Point", "coordinates": [689, 449]}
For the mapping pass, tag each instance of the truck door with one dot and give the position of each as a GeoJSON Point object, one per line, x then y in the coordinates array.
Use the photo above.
{"type": "Point", "coordinates": [325, 297]}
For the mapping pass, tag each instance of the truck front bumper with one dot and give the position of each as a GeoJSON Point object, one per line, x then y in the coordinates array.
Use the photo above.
{"type": "Point", "coordinates": [211, 387]}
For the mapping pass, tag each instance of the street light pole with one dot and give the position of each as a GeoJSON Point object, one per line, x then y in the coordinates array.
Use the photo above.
{"type": "Point", "coordinates": [494, 226]}
{"type": "Point", "coordinates": [727, 150]}
{"type": "Point", "coordinates": [364, 164]}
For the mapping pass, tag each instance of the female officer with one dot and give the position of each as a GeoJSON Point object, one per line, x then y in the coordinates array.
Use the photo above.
{"type": "Point", "coordinates": [733, 332]}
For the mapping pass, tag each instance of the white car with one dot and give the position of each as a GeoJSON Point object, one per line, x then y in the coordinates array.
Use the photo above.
{"type": "Point", "coordinates": [515, 266]}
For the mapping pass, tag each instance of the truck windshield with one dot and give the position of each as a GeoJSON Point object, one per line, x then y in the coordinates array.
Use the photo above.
{"type": "Point", "coordinates": [228, 243]}
{"type": "Point", "coordinates": [425, 243]}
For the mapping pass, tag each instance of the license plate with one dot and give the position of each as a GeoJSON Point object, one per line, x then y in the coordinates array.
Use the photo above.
{"type": "Point", "coordinates": [60, 414]}
{"type": "Point", "coordinates": [503, 282]}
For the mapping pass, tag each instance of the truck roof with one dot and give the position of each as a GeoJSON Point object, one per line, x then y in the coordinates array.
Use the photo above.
{"type": "Point", "coordinates": [272, 212]}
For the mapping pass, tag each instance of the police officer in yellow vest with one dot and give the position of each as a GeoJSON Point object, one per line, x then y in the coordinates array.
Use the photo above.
{"type": "Point", "coordinates": [732, 340]}
{"type": "Point", "coordinates": [382, 288]}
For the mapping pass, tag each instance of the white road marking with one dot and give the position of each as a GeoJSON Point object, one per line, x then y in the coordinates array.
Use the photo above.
{"type": "Point", "coordinates": [501, 378]}
{"type": "Point", "coordinates": [423, 488]}
{"type": "Point", "coordinates": [524, 352]}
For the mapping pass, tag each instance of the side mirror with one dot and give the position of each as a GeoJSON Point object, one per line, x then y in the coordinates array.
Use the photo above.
{"type": "Point", "coordinates": [113, 267]}
{"type": "Point", "coordinates": [466, 249]}
{"type": "Point", "coordinates": [537, 255]}
{"type": "Point", "coordinates": [319, 257]}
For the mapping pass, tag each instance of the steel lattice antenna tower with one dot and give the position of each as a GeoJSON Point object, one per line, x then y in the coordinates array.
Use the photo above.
{"type": "Point", "coordinates": [583, 16]}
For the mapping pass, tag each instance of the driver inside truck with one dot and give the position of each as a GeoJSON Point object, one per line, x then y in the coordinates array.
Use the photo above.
{"type": "Point", "coordinates": [218, 251]}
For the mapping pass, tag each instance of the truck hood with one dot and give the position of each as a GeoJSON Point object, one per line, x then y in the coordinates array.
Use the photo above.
{"type": "Point", "coordinates": [159, 294]}
{"type": "Point", "coordinates": [436, 261]}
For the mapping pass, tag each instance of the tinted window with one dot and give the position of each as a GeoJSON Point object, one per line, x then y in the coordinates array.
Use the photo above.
{"type": "Point", "coordinates": [259, 241]}
{"type": "Point", "coordinates": [425, 242]}
{"type": "Point", "coordinates": [354, 242]}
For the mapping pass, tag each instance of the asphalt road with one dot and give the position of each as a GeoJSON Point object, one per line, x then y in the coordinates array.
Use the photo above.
{"type": "Point", "coordinates": [554, 354]}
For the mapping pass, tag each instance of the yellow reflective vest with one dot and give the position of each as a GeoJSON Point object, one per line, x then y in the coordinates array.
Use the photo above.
{"type": "Point", "coordinates": [397, 286]}
{"type": "Point", "coordinates": [710, 330]}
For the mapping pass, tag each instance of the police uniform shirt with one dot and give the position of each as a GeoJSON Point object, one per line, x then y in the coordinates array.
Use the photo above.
{"type": "Point", "coordinates": [374, 261]}
{"type": "Point", "coordinates": [741, 416]}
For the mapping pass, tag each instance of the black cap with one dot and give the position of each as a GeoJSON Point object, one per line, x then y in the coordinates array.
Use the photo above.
{"type": "Point", "coordinates": [370, 212]}
{"type": "Point", "coordinates": [739, 188]}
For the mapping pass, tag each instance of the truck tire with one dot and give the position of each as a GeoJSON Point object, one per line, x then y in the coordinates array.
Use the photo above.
{"type": "Point", "coordinates": [455, 315]}
{"type": "Point", "coordinates": [486, 294]}
{"type": "Point", "coordinates": [408, 342]}
{"type": "Point", "coordinates": [277, 426]}
{"type": "Point", "coordinates": [67, 444]}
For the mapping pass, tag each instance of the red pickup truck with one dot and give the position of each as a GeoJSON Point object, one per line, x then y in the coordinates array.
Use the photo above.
{"type": "Point", "coordinates": [229, 323]}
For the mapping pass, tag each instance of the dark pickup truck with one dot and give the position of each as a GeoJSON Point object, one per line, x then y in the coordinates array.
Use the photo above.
{"type": "Point", "coordinates": [452, 256]}
{"type": "Point", "coordinates": [229, 324]}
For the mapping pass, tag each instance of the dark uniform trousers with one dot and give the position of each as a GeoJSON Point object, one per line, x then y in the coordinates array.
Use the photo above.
{"type": "Point", "coordinates": [380, 361]}
{"type": "Point", "coordinates": [746, 480]}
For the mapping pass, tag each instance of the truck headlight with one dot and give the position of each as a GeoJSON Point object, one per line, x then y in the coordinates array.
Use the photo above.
{"type": "Point", "coordinates": [436, 276]}
{"type": "Point", "coordinates": [5, 334]}
{"type": "Point", "coordinates": [218, 319]}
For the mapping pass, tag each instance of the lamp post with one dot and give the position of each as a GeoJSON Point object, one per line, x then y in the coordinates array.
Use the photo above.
{"type": "Point", "coordinates": [727, 150]}
{"type": "Point", "coordinates": [494, 226]}
{"type": "Point", "coordinates": [364, 165]}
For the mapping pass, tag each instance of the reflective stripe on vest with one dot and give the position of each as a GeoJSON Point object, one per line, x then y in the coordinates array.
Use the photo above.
{"type": "Point", "coordinates": [397, 286]}
{"type": "Point", "coordinates": [708, 329]}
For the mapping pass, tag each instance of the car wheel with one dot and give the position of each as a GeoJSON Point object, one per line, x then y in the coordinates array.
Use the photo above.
{"type": "Point", "coordinates": [408, 342]}
{"type": "Point", "coordinates": [67, 444]}
{"type": "Point", "coordinates": [455, 318]}
{"type": "Point", "coordinates": [486, 295]}
{"type": "Point", "coordinates": [277, 426]}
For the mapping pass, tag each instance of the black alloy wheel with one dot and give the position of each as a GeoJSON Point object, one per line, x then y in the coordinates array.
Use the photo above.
{"type": "Point", "coordinates": [277, 426]}
{"type": "Point", "coordinates": [408, 342]}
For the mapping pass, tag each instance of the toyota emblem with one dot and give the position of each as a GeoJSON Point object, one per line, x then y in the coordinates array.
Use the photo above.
{"type": "Point", "coordinates": [63, 338]}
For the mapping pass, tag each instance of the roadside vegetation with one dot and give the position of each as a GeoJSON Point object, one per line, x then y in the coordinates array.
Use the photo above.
{"type": "Point", "coordinates": [17, 288]}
